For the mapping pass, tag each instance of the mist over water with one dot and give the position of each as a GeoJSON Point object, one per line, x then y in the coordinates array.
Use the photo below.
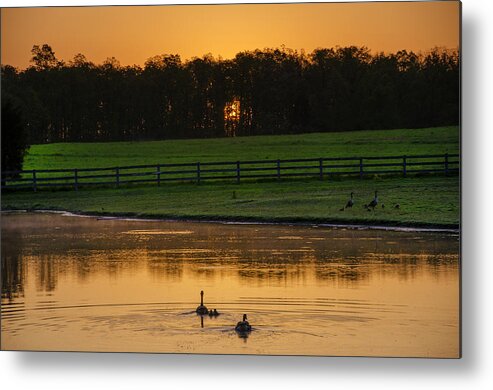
{"type": "Point", "coordinates": [71, 283]}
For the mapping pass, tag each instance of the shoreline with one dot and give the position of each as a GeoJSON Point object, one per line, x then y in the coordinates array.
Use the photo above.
{"type": "Point", "coordinates": [386, 226]}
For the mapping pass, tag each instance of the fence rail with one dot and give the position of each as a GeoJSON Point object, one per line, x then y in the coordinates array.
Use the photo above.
{"type": "Point", "coordinates": [321, 168]}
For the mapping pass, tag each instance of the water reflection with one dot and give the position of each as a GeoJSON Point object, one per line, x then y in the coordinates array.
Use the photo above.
{"type": "Point", "coordinates": [110, 281]}
{"type": "Point", "coordinates": [13, 276]}
{"type": "Point", "coordinates": [58, 246]}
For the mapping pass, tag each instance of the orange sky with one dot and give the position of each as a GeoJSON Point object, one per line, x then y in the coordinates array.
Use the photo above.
{"type": "Point", "coordinates": [133, 34]}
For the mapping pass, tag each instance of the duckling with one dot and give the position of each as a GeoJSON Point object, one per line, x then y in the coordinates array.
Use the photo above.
{"type": "Point", "coordinates": [243, 326]}
{"type": "Point", "coordinates": [216, 313]}
{"type": "Point", "coordinates": [201, 309]}
{"type": "Point", "coordinates": [397, 206]}
{"type": "Point", "coordinates": [383, 206]}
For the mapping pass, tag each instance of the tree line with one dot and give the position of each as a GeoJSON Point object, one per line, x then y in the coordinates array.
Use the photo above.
{"type": "Point", "coordinates": [269, 91]}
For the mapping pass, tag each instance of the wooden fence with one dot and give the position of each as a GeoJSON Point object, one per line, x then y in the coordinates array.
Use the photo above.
{"type": "Point", "coordinates": [322, 168]}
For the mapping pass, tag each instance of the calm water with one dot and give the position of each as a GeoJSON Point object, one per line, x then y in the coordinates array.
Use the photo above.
{"type": "Point", "coordinates": [71, 283]}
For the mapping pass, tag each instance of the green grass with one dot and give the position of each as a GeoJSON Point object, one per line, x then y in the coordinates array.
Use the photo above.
{"type": "Point", "coordinates": [424, 201]}
{"type": "Point", "coordinates": [438, 140]}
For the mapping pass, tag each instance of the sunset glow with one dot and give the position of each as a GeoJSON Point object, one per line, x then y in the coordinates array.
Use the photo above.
{"type": "Point", "coordinates": [133, 34]}
{"type": "Point", "coordinates": [232, 116]}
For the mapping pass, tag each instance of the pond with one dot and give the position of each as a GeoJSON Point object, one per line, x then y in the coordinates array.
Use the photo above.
{"type": "Point", "coordinates": [86, 284]}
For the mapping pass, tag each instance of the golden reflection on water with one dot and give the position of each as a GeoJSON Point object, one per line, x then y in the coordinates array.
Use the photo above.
{"type": "Point", "coordinates": [72, 283]}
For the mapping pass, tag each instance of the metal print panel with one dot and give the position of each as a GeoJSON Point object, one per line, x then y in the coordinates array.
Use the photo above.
{"type": "Point", "coordinates": [272, 179]}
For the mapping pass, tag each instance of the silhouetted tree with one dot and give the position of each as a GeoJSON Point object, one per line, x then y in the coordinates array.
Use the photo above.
{"type": "Point", "coordinates": [14, 140]}
{"type": "Point", "coordinates": [274, 91]}
{"type": "Point", "coordinates": [43, 57]}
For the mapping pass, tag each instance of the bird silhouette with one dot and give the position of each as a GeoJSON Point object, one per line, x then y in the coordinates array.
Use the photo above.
{"type": "Point", "coordinates": [201, 309]}
{"type": "Point", "coordinates": [374, 202]}
{"type": "Point", "coordinates": [243, 326]}
{"type": "Point", "coordinates": [350, 202]}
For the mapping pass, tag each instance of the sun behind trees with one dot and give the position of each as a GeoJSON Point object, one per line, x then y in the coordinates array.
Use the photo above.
{"type": "Point", "coordinates": [269, 91]}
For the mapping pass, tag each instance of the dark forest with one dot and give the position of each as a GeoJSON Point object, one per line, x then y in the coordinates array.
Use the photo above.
{"type": "Point", "coordinates": [270, 91]}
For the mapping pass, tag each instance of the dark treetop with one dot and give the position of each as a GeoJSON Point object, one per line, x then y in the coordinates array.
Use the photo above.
{"type": "Point", "coordinates": [270, 91]}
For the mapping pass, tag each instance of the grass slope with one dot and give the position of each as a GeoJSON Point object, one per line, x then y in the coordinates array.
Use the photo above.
{"type": "Point", "coordinates": [424, 201]}
{"type": "Point", "coordinates": [438, 140]}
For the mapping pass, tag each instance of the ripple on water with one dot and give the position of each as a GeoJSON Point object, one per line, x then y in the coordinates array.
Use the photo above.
{"type": "Point", "coordinates": [325, 292]}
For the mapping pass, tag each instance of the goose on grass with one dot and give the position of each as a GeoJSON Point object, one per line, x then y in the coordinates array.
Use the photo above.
{"type": "Point", "coordinates": [374, 202]}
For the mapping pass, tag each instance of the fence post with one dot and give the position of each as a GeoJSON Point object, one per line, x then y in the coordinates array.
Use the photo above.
{"type": "Point", "coordinates": [446, 164]}
{"type": "Point", "coordinates": [278, 169]}
{"type": "Point", "coordinates": [35, 184]}
{"type": "Point", "coordinates": [404, 165]}
{"type": "Point", "coordinates": [321, 168]}
{"type": "Point", "coordinates": [158, 174]}
{"type": "Point", "coordinates": [198, 172]}
{"type": "Point", "coordinates": [237, 171]}
{"type": "Point", "coordinates": [76, 180]}
{"type": "Point", "coordinates": [117, 175]}
{"type": "Point", "coordinates": [360, 168]}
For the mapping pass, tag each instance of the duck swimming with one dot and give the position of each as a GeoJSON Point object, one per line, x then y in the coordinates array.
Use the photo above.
{"type": "Point", "coordinates": [243, 326]}
{"type": "Point", "coordinates": [201, 309]}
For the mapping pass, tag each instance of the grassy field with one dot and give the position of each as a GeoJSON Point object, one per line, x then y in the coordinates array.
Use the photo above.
{"type": "Point", "coordinates": [424, 200]}
{"type": "Point", "coordinates": [437, 140]}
